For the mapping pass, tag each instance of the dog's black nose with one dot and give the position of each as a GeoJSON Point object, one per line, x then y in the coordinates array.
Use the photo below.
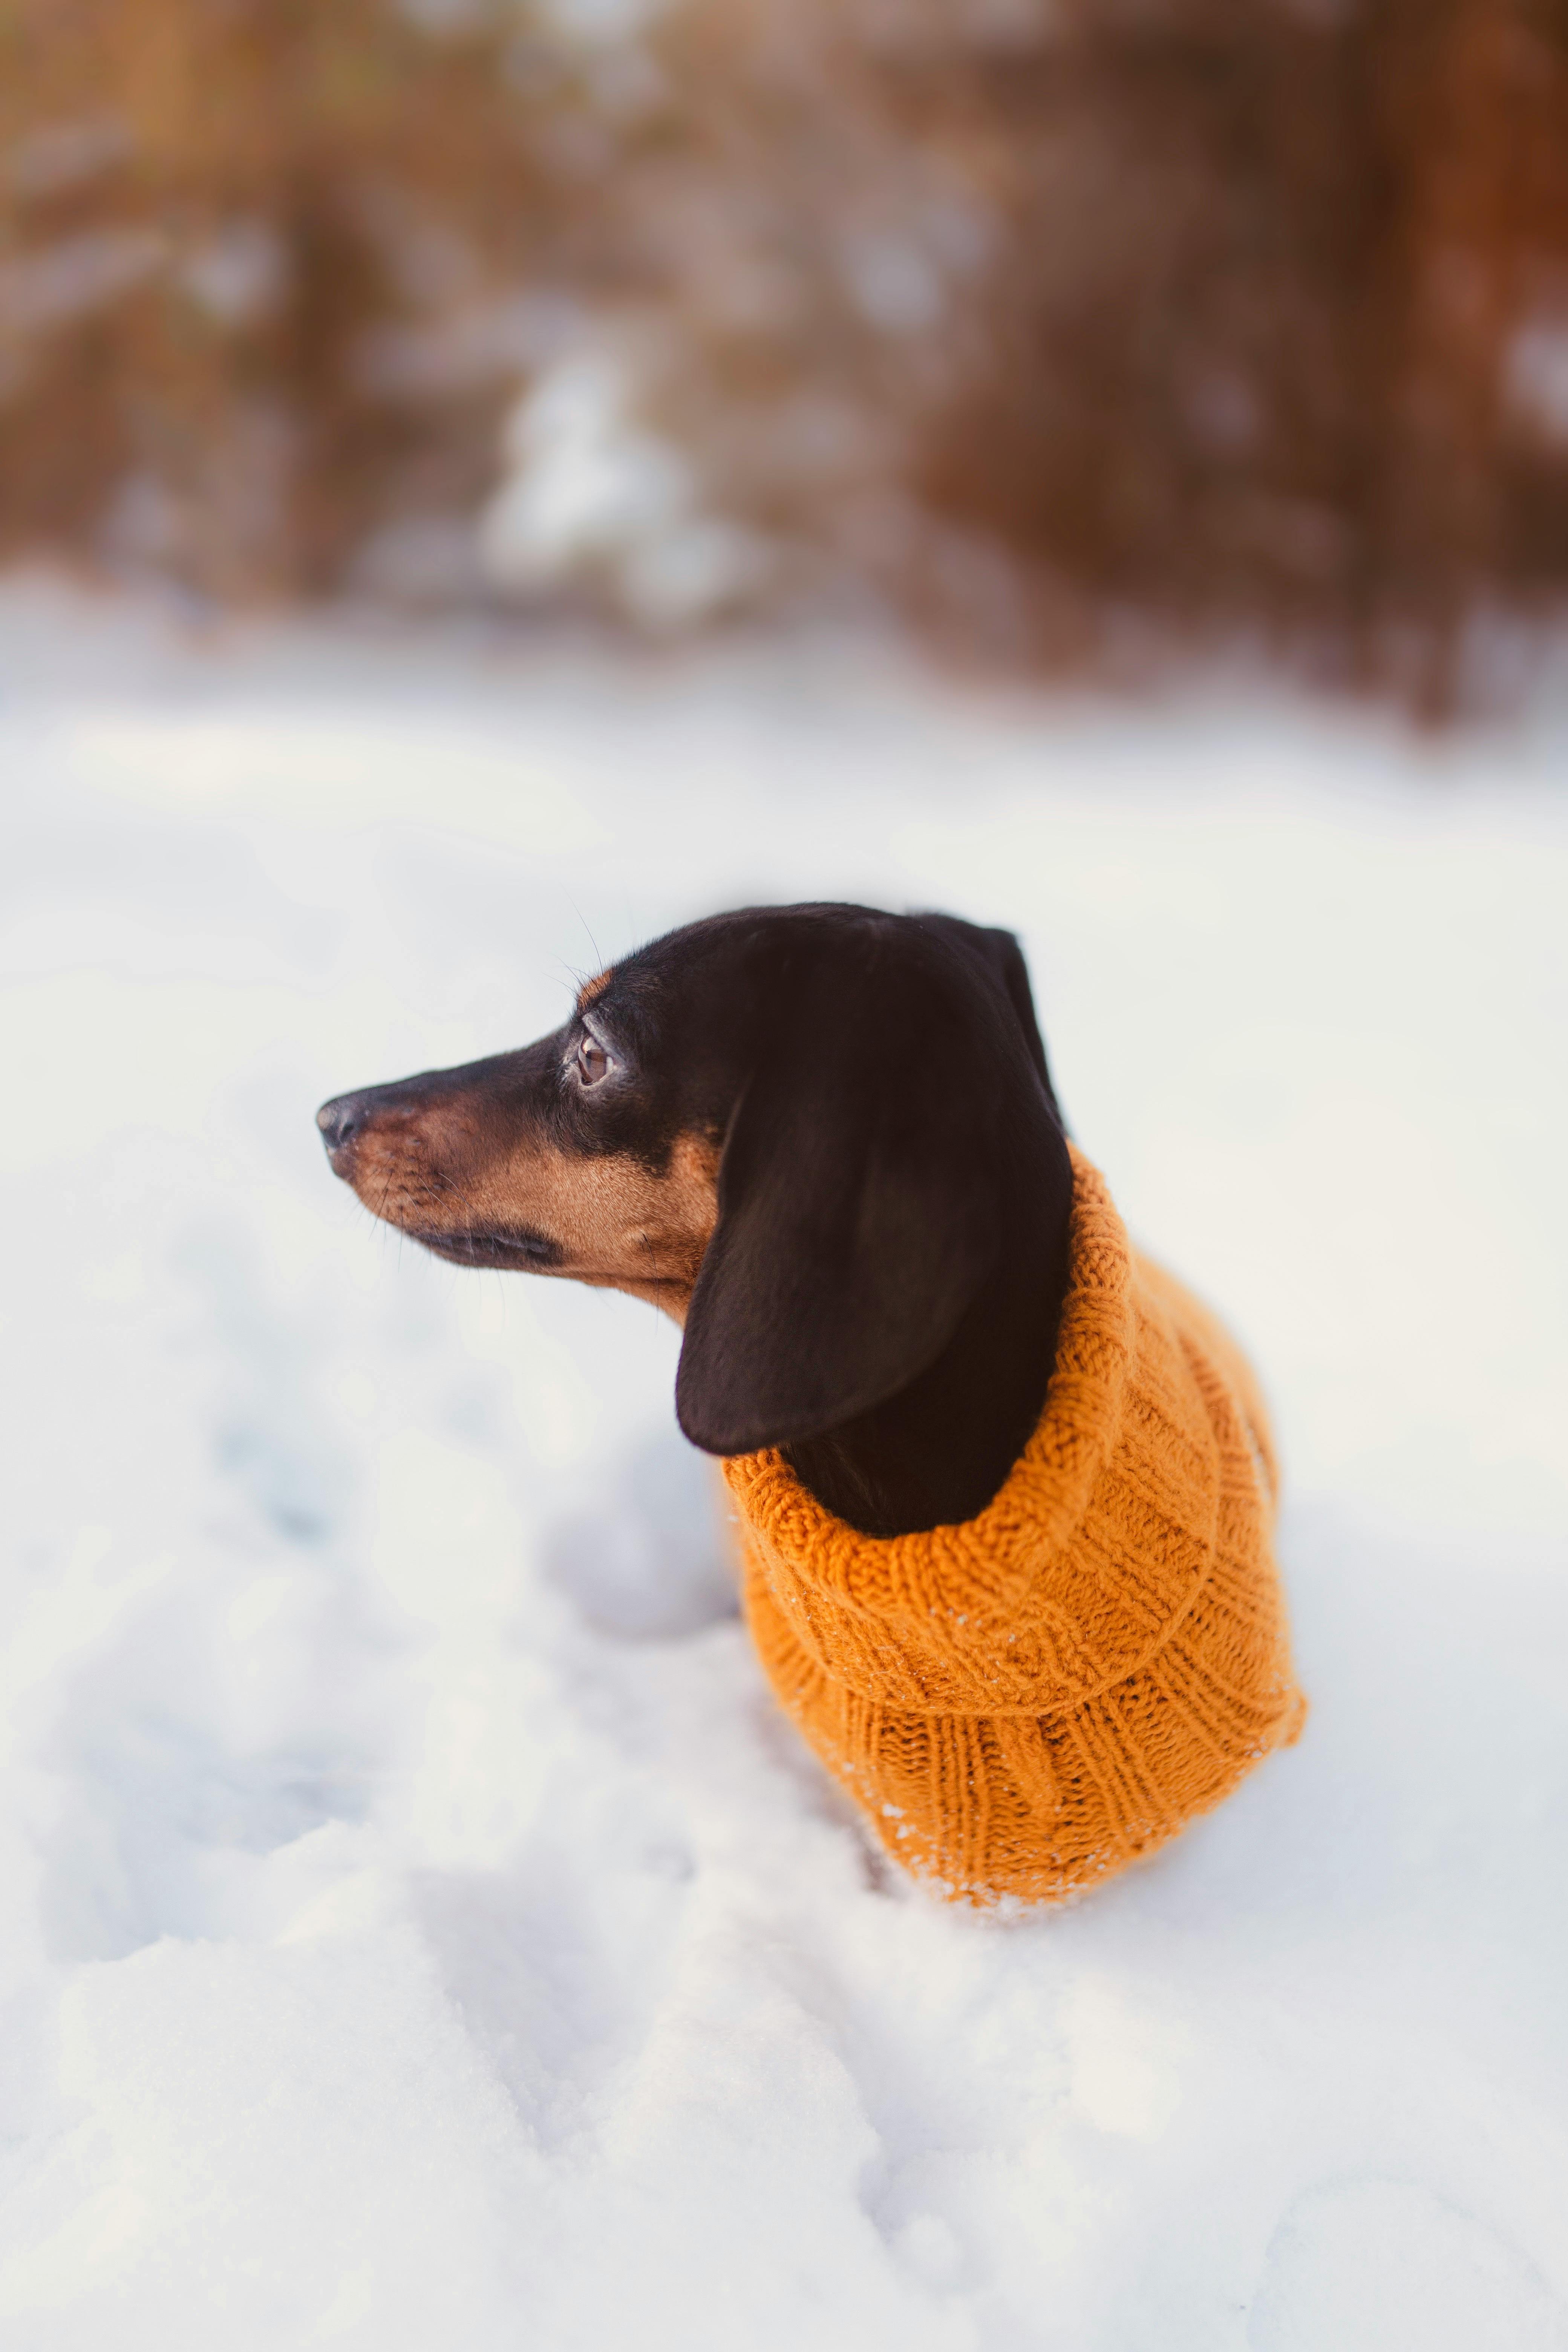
{"type": "Point", "coordinates": [340, 1120]}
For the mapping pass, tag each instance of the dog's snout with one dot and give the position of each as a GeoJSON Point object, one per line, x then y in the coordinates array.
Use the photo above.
{"type": "Point", "coordinates": [340, 1121]}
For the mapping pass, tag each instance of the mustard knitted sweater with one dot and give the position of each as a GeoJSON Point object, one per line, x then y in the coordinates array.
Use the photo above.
{"type": "Point", "coordinates": [1025, 1703]}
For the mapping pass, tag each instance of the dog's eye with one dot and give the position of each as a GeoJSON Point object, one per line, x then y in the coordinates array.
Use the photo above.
{"type": "Point", "coordinates": [592, 1061]}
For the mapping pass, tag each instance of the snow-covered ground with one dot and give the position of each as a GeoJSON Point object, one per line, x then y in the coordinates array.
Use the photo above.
{"type": "Point", "coordinates": [416, 1928]}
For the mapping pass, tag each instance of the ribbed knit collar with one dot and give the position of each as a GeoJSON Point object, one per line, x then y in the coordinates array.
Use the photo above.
{"type": "Point", "coordinates": [1041, 1501]}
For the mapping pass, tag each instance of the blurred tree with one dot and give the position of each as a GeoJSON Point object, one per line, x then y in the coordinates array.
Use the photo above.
{"type": "Point", "coordinates": [1073, 328]}
{"type": "Point", "coordinates": [251, 256]}
{"type": "Point", "coordinates": [1273, 380]}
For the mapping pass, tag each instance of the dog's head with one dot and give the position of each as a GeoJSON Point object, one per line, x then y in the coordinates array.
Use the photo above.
{"type": "Point", "coordinates": [798, 1130]}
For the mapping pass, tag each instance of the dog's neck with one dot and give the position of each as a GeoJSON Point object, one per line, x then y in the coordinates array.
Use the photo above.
{"type": "Point", "coordinates": [935, 1454]}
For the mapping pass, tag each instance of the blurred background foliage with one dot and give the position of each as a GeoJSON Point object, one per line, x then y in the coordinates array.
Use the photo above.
{"type": "Point", "coordinates": [1078, 330]}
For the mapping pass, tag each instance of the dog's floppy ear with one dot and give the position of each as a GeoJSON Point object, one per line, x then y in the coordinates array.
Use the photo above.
{"type": "Point", "coordinates": [858, 1219]}
{"type": "Point", "coordinates": [1003, 958]}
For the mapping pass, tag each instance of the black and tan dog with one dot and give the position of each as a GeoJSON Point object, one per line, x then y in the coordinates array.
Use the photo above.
{"type": "Point", "coordinates": [825, 1140]}
{"type": "Point", "coordinates": [1005, 1489]}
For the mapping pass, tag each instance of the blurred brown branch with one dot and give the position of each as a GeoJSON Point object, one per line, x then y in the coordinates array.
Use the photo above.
{"type": "Point", "coordinates": [1063, 327]}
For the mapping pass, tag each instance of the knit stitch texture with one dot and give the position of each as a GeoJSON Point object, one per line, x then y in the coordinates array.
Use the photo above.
{"type": "Point", "coordinates": [1025, 1702]}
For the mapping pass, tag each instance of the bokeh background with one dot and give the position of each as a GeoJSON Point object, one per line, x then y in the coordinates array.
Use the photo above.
{"type": "Point", "coordinates": [1077, 331]}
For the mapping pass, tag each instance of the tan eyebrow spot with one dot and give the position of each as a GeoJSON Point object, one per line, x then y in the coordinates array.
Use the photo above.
{"type": "Point", "coordinates": [591, 990]}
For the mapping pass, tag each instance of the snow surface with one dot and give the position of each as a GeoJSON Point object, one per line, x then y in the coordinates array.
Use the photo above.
{"type": "Point", "coordinates": [418, 1928]}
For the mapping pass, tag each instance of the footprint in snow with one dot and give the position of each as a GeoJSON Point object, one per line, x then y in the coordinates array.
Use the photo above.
{"type": "Point", "coordinates": [1373, 2266]}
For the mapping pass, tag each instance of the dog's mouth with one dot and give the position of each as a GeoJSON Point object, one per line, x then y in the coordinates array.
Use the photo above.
{"type": "Point", "coordinates": [521, 1249]}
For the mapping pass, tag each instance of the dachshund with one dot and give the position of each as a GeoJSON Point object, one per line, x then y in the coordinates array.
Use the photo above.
{"type": "Point", "coordinates": [822, 1138]}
